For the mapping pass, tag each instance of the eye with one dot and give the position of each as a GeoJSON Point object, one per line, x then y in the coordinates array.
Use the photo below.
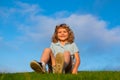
{"type": "Point", "coordinates": [65, 31]}
{"type": "Point", "coordinates": [59, 31]}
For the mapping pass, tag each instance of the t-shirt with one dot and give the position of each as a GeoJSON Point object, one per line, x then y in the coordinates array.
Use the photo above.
{"type": "Point", "coordinates": [58, 48]}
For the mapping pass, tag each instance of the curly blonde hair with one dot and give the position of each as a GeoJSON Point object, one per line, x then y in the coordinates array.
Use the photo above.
{"type": "Point", "coordinates": [70, 32]}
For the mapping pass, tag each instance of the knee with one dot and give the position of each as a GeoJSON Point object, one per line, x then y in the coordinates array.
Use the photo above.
{"type": "Point", "coordinates": [67, 53]}
{"type": "Point", "coordinates": [48, 50]}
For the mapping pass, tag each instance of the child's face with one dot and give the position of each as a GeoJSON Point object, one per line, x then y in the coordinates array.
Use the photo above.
{"type": "Point", "coordinates": [62, 34]}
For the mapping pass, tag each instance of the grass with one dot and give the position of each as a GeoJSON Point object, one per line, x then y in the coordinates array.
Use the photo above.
{"type": "Point", "coordinates": [82, 75]}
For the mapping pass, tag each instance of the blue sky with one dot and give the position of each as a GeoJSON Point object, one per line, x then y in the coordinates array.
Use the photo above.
{"type": "Point", "coordinates": [26, 27]}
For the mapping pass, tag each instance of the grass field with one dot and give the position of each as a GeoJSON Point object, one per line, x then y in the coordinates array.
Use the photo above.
{"type": "Point", "coordinates": [82, 75]}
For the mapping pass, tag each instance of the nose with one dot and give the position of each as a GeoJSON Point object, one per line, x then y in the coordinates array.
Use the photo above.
{"type": "Point", "coordinates": [62, 34]}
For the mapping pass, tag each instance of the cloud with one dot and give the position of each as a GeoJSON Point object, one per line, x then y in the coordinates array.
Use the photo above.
{"type": "Point", "coordinates": [25, 8]}
{"type": "Point", "coordinates": [88, 29]}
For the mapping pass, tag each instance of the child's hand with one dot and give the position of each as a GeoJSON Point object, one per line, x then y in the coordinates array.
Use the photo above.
{"type": "Point", "coordinates": [74, 71]}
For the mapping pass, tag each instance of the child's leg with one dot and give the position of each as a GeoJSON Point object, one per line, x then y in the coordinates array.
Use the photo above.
{"type": "Point", "coordinates": [47, 55]}
{"type": "Point", "coordinates": [67, 58]}
{"type": "Point", "coordinates": [68, 69]}
{"type": "Point", "coordinates": [68, 62]}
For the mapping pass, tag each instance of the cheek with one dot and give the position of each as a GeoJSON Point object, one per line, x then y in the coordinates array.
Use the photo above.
{"type": "Point", "coordinates": [66, 34]}
{"type": "Point", "coordinates": [58, 34]}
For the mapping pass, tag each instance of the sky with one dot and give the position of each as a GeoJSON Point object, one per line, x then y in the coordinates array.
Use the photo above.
{"type": "Point", "coordinates": [26, 28]}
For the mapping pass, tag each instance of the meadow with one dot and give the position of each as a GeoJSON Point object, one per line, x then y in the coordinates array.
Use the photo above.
{"type": "Point", "coordinates": [82, 75]}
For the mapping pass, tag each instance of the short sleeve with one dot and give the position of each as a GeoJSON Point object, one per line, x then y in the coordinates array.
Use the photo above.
{"type": "Point", "coordinates": [75, 48]}
{"type": "Point", "coordinates": [52, 48]}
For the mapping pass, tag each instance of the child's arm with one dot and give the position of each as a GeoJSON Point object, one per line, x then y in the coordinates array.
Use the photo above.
{"type": "Point", "coordinates": [77, 63]}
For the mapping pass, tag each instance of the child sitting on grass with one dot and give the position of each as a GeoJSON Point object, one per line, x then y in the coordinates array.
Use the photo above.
{"type": "Point", "coordinates": [63, 54]}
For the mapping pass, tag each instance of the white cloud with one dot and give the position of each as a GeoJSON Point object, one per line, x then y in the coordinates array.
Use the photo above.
{"type": "Point", "coordinates": [25, 8]}
{"type": "Point", "coordinates": [87, 28]}
{"type": "Point", "coordinates": [90, 28]}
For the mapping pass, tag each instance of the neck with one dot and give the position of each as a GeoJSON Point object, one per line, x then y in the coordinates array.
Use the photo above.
{"type": "Point", "coordinates": [63, 42]}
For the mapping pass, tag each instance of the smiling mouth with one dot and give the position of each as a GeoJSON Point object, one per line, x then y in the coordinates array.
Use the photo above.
{"type": "Point", "coordinates": [62, 36]}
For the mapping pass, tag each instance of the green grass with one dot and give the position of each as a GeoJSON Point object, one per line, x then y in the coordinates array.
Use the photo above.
{"type": "Point", "coordinates": [82, 75]}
